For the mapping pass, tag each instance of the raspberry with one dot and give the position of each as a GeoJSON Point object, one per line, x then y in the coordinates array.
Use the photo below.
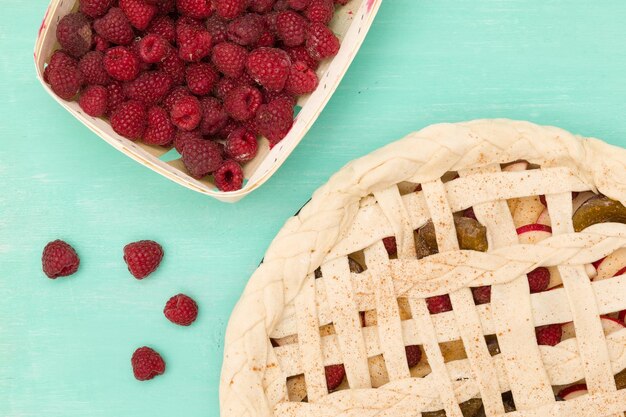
{"type": "Point", "coordinates": [223, 86]}
{"type": "Point", "coordinates": [129, 120]}
{"type": "Point", "coordinates": [299, 53]}
{"type": "Point", "coordinates": [334, 376]}
{"type": "Point", "coordinates": [59, 259]}
{"type": "Point", "coordinates": [549, 335]}
{"type": "Point", "coordinates": [261, 6]}
{"type": "Point", "coordinates": [134, 48]}
{"type": "Point", "coordinates": [229, 127]}
{"type": "Point", "coordinates": [74, 34]}
{"type": "Point", "coordinates": [116, 96]}
{"type": "Point", "coordinates": [115, 27]}
{"type": "Point", "coordinates": [196, 9]}
{"type": "Point", "coordinates": [149, 88]}
{"type": "Point", "coordinates": [59, 59]}
{"type": "Point", "coordinates": [246, 30]}
{"type": "Point", "coordinates": [92, 68]}
{"type": "Point", "coordinates": [100, 44]}
{"type": "Point", "coordinates": [229, 176]}
{"type": "Point", "coordinates": [95, 8]}
{"type": "Point", "coordinates": [121, 63]}
{"type": "Point", "coordinates": [186, 21]}
{"type": "Point", "coordinates": [538, 280]}
{"type": "Point", "coordinates": [201, 157]}
{"type": "Point", "coordinates": [218, 29]}
{"type": "Point", "coordinates": [186, 113]}
{"type": "Point", "coordinates": [93, 100]}
{"type": "Point", "coordinates": [413, 355]}
{"type": "Point", "coordinates": [147, 363]}
{"type": "Point", "coordinates": [173, 96]}
{"type": "Point", "coordinates": [439, 304]}
{"type": "Point", "coordinates": [298, 4]}
{"type": "Point", "coordinates": [194, 44]}
{"type": "Point", "coordinates": [181, 309]}
{"type": "Point", "coordinates": [321, 42]}
{"type": "Point", "coordinates": [165, 6]}
{"type": "Point", "coordinates": [230, 9]}
{"type": "Point", "coordinates": [281, 5]}
{"type": "Point", "coordinates": [153, 48]}
{"type": "Point", "coordinates": [269, 96]}
{"type": "Point", "coordinates": [267, 40]}
{"type": "Point", "coordinates": [214, 116]}
{"type": "Point", "coordinates": [274, 120]}
{"type": "Point", "coordinates": [163, 26]}
{"type": "Point", "coordinates": [160, 130]}
{"type": "Point", "coordinates": [482, 295]}
{"type": "Point", "coordinates": [270, 20]}
{"type": "Point", "coordinates": [229, 59]}
{"type": "Point", "coordinates": [183, 137]}
{"type": "Point", "coordinates": [65, 81]}
{"type": "Point", "coordinates": [269, 67]}
{"type": "Point", "coordinates": [390, 245]}
{"type": "Point", "coordinates": [320, 11]}
{"type": "Point", "coordinates": [143, 257]}
{"type": "Point", "coordinates": [174, 67]}
{"type": "Point", "coordinates": [139, 13]}
{"type": "Point", "coordinates": [291, 28]}
{"type": "Point", "coordinates": [241, 145]}
{"type": "Point", "coordinates": [201, 78]}
{"type": "Point", "coordinates": [242, 102]}
{"type": "Point", "coordinates": [302, 80]}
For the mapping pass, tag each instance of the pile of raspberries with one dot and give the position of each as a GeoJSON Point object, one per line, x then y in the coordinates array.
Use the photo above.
{"type": "Point", "coordinates": [205, 76]}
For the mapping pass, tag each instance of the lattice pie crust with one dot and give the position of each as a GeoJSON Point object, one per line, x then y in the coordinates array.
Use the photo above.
{"type": "Point", "coordinates": [274, 338]}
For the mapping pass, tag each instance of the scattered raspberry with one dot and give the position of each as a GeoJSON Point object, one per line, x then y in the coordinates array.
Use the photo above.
{"type": "Point", "coordinates": [129, 120]}
{"type": "Point", "coordinates": [116, 96]}
{"type": "Point", "coordinates": [299, 53]}
{"type": "Point", "coordinates": [115, 27]}
{"type": "Point", "coordinates": [173, 96]}
{"type": "Point", "coordinates": [482, 295]}
{"type": "Point", "coordinates": [439, 304]}
{"type": "Point", "coordinates": [261, 6]}
{"type": "Point", "coordinates": [549, 335]}
{"type": "Point", "coordinates": [230, 9]}
{"type": "Point", "coordinates": [320, 11]}
{"type": "Point", "coordinates": [149, 88]}
{"type": "Point", "coordinates": [59, 259]}
{"type": "Point", "coordinates": [92, 68]}
{"type": "Point", "coordinates": [181, 310]}
{"type": "Point", "coordinates": [139, 12]}
{"type": "Point", "coordinates": [269, 67]}
{"type": "Point", "coordinates": [95, 8]}
{"type": "Point", "coordinates": [120, 63]}
{"type": "Point", "coordinates": [246, 30]}
{"type": "Point", "coordinates": [174, 67]}
{"type": "Point", "coordinates": [183, 137]}
{"type": "Point", "coordinates": [153, 48]}
{"type": "Point", "coordinates": [193, 44]}
{"type": "Point", "coordinates": [413, 355]}
{"type": "Point", "coordinates": [218, 29]}
{"type": "Point", "coordinates": [214, 116]}
{"type": "Point", "coordinates": [74, 34]}
{"type": "Point", "coordinates": [196, 9]}
{"type": "Point", "coordinates": [291, 28]}
{"type": "Point", "coordinates": [321, 42]}
{"type": "Point", "coordinates": [241, 145]}
{"type": "Point", "coordinates": [274, 120]}
{"type": "Point", "coordinates": [65, 81]}
{"type": "Point", "coordinates": [298, 4]}
{"type": "Point", "coordinates": [186, 113]}
{"type": "Point", "coordinates": [538, 280]}
{"type": "Point", "coordinates": [229, 59]}
{"type": "Point", "coordinates": [160, 130]}
{"type": "Point", "coordinates": [201, 78]}
{"type": "Point", "coordinates": [302, 79]}
{"type": "Point", "coordinates": [163, 26]}
{"type": "Point", "coordinates": [147, 363]}
{"type": "Point", "coordinates": [143, 257]}
{"type": "Point", "coordinates": [93, 100]}
{"type": "Point", "coordinates": [201, 157]}
{"type": "Point", "coordinates": [242, 102]}
{"type": "Point", "coordinates": [334, 376]}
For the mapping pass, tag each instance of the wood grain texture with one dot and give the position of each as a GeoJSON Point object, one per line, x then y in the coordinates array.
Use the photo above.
{"type": "Point", "coordinates": [65, 345]}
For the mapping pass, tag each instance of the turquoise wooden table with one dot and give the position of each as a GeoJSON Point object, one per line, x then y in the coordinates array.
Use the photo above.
{"type": "Point", "coordinates": [65, 345]}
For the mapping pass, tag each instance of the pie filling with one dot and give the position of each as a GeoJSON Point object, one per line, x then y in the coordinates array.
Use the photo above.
{"type": "Point", "coordinates": [531, 218]}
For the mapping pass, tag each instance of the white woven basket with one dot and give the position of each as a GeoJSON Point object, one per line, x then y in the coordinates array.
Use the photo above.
{"type": "Point", "coordinates": [351, 24]}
